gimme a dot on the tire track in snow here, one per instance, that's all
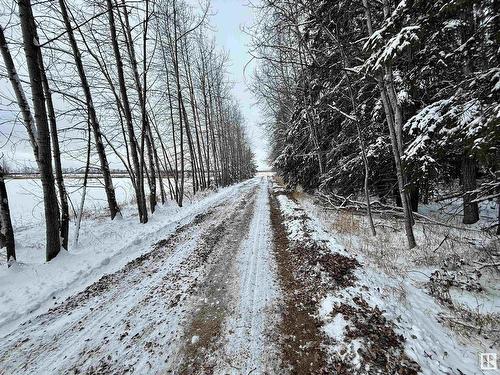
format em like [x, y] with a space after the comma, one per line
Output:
[129, 322]
[124, 249]
[248, 347]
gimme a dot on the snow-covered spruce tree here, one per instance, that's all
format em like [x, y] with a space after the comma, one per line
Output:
[402, 61]
[454, 75]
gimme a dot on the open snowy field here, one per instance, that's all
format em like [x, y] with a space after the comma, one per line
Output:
[26, 202]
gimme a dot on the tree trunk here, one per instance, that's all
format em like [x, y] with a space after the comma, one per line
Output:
[84, 193]
[471, 209]
[414, 196]
[44, 157]
[142, 101]
[141, 202]
[179, 106]
[152, 174]
[108, 181]
[393, 118]
[497, 175]
[175, 171]
[56, 153]
[360, 140]
[6, 231]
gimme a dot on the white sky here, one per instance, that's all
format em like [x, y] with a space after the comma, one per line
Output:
[230, 16]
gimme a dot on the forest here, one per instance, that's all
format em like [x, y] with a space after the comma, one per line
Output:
[393, 100]
[141, 83]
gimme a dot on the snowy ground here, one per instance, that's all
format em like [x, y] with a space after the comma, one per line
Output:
[443, 338]
[26, 202]
[165, 293]
[105, 246]
[427, 342]
[249, 279]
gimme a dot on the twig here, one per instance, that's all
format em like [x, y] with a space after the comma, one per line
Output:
[444, 239]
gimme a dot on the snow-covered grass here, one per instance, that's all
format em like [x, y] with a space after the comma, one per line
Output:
[437, 246]
[393, 279]
[450, 211]
[105, 246]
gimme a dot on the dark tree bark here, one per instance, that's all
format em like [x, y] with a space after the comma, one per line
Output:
[206, 112]
[142, 101]
[180, 105]
[108, 182]
[6, 231]
[414, 190]
[141, 202]
[471, 209]
[56, 153]
[497, 175]
[175, 167]
[43, 156]
[393, 115]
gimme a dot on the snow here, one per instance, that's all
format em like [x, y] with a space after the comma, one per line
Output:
[145, 306]
[483, 304]
[128, 309]
[104, 247]
[327, 305]
[436, 348]
[26, 203]
[449, 211]
[336, 327]
[392, 48]
[294, 227]
[248, 346]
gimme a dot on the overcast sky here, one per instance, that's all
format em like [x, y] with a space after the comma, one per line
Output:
[230, 16]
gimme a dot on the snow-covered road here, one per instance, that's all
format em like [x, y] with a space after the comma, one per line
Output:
[199, 299]
[247, 347]
[244, 281]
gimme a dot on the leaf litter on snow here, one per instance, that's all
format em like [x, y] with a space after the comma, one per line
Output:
[357, 337]
[403, 301]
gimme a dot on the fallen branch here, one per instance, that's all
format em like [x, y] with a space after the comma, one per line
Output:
[485, 265]
[442, 242]
[338, 202]
[449, 196]
[468, 325]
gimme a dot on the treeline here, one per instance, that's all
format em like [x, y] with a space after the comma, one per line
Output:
[387, 98]
[136, 82]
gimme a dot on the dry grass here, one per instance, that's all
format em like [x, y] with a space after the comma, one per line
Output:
[471, 323]
[297, 195]
[437, 246]
[346, 223]
[279, 180]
